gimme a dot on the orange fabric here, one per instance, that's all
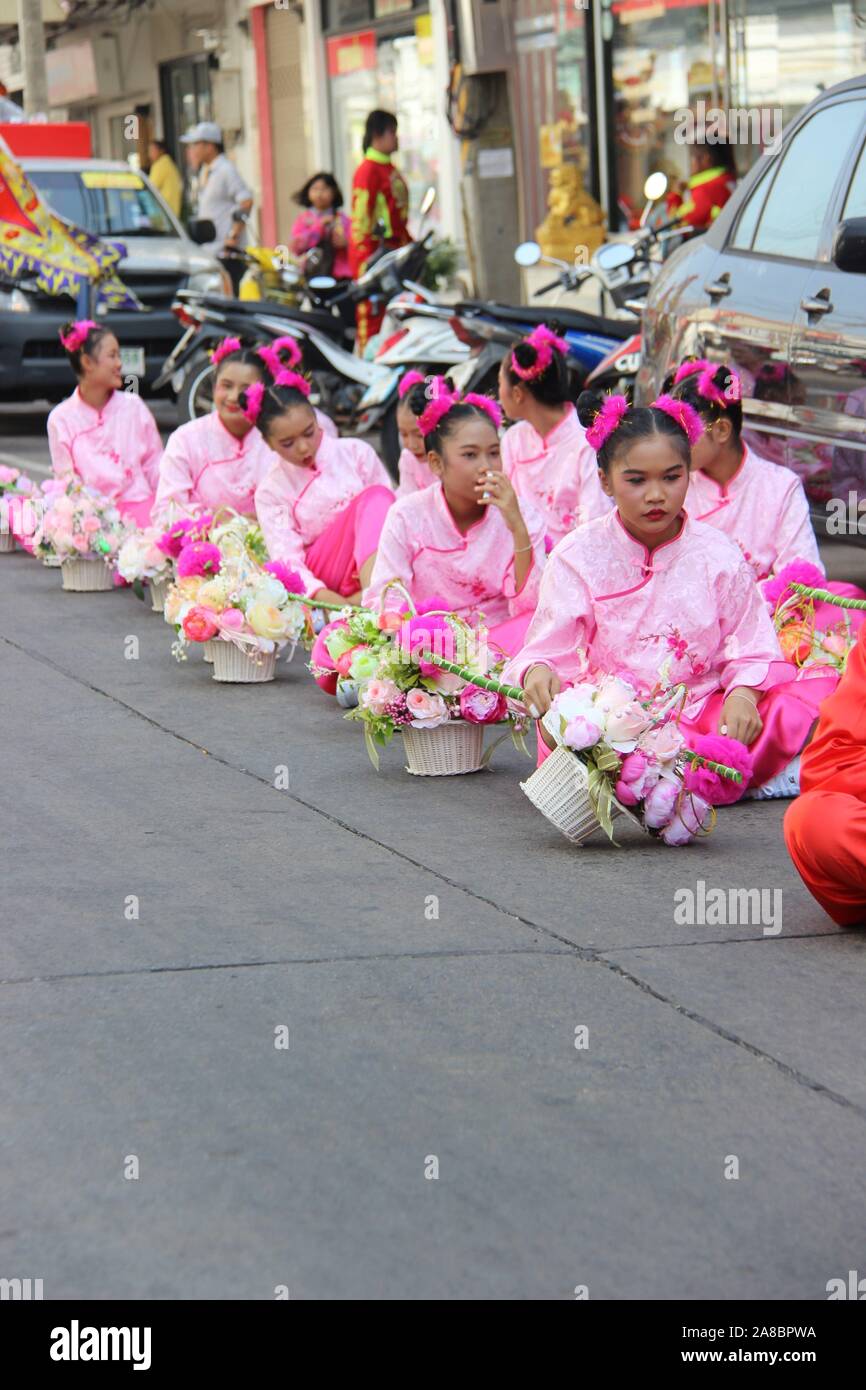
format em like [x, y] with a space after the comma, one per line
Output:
[825, 828]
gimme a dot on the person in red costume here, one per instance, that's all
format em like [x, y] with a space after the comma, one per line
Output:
[825, 828]
[713, 180]
[379, 194]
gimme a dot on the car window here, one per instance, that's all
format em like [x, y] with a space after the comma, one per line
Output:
[794, 211]
[63, 193]
[855, 203]
[748, 220]
[123, 205]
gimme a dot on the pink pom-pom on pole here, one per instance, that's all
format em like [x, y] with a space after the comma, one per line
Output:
[684, 414]
[253, 397]
[545, 342]
[294, 379]
[607, 419]
[77, 335]
[486, 404]
[224, 349]
[408, 381]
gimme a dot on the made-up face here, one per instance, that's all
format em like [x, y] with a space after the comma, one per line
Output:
[295, 435]
[648, 482]
[470, 451]
[102, 368]
[232, 378]
[410, 434]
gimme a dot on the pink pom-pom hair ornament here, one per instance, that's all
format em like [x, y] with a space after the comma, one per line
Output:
[294, 379]
[77, 335]
[225, 349]
[408, 381]
[707, 388]
[484, 403]
[251, 401]
[607, 419]
[685, 415]
[280, 354]
[545, 342]
[441, 398]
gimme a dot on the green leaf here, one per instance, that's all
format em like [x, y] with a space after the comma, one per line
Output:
[602, 799]
[372, 750]
[138, 589]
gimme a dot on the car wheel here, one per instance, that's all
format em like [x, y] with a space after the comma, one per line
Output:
[195, 397]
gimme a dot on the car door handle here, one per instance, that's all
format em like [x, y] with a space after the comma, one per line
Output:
[819, 305]
[716, 288]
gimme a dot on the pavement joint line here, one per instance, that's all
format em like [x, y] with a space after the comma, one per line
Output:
[730, 941]
[444, 954]
[592, 956]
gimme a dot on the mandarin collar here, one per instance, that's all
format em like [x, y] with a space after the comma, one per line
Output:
[560, 432]
[640, 554]
[445, 512]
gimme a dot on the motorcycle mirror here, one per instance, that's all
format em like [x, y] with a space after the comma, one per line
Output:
[656, 186]
[322, 282]
[614, 255]
[528, 253]
[201, 230]
[428, 200]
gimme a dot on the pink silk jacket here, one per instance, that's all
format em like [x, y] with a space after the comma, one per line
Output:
[557, 474]
[115, 451]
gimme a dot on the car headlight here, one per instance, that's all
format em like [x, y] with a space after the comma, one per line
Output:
[16, 301]
[209, 282]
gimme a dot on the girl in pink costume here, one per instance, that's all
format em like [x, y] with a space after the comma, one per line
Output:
[102, 435]
[466, 540]
[545, 454]
[322, 502]
[413, 469]
[659, 599]
[761, 505]
[219, 459]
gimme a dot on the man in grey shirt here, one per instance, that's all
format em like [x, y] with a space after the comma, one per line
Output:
[222, 194]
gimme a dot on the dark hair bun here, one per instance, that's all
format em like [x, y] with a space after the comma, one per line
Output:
[417, 399]
[525, 355]
[668, 382]
[589, 403]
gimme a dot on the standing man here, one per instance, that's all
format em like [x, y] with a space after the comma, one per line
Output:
[222, 195]
[165, 175]
[379, 195]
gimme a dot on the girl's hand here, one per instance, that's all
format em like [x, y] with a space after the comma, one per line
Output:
[540, 684]
[740, 718]
[338, 235]
[495, 490]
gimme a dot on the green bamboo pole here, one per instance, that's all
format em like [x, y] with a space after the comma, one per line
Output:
[514, 692]
[825, 596]
[326, 603]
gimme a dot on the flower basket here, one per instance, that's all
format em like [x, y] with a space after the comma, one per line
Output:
[559, 789]
[158, 591]
[230, 664]
[86, 576]
[208, 649]
[449, 750]
[7, 542]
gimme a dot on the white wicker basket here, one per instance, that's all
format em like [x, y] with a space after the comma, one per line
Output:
[208, 650]
[86, 576]
[158, 590]
[559, 789]
[230, 664]
[453, 748]
[7, 542]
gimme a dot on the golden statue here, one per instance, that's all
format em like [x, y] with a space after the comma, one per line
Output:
[575, 225]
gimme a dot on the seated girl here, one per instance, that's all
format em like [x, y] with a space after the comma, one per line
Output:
[219, 459]
[545, 454]
[413, 469]
[322, 502]
[102, 435]
[466, 541]
[659, 599]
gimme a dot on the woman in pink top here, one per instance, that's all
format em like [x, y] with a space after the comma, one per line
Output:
[466, 540]
[761, 505]
[545, 454]
[321, 223]
[322, 502]
[219, 459]
[648, 594]
[101, 434]
[413, 470]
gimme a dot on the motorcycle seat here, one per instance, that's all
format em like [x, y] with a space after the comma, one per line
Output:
[554, 315]
[325, 323]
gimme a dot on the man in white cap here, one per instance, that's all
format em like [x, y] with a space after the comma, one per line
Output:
[222, 194]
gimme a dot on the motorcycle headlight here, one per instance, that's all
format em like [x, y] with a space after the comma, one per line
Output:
[210, 282]
[16, 301]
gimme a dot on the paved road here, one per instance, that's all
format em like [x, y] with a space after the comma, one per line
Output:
[411, 1036]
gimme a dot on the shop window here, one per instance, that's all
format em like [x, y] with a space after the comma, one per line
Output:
[793, 216]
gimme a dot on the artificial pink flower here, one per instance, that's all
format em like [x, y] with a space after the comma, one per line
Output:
[638, 774]
[232, 618]
[81, 543]
[430, 633]
[290, 579]
[480, 706]
[8, 475]
[581, 732]
[659, 804]
[389, 622]
[663, 742]
[624, 727]
[777, 589]
[691, 817]
[200, 624]
[90, 524]
[199, 557]
[376, 694]
[345, 659]
[427, 711]
[835, 643]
